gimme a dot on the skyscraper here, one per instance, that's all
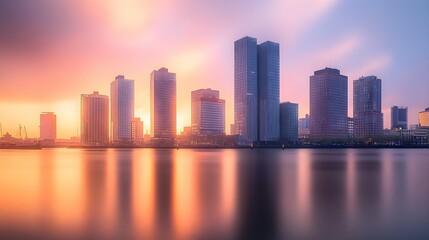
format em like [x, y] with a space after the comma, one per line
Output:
[48, 126]
[399, 117]
[268, 91]
[288, 122]
[208, 112]
[256, 90]
[122, 108]
[163, 104]
[424, 118]
[94, 119]
[246, 88]
[367, 116]
[328, 104]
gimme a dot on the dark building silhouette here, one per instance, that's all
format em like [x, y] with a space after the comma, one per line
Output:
[256, 90]
[367, 115]
[328, 104]
[288, 122]
[399, 117]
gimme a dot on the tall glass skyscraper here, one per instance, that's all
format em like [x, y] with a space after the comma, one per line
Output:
[122, 108]
[246, 88]
[163, 104]
[94, 119]
[268, 91]
[288, 122]
[399, 117]
[328, 104]
[367, 116]
[256, 90]
[208, 113]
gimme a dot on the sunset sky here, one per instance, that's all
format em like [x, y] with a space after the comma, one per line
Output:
[51, 51]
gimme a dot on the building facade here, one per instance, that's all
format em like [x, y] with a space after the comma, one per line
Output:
[207, 113]
[163, 104]
[136, 129]
[288, 122]
[246, 88]
[328, 104]
[94, 119]
[350, 127]
[367, 115]
[256, 90]
[268, 91]
[424, 118]
[122, 108]
[304, 127]
[48, 126]
[399, 117]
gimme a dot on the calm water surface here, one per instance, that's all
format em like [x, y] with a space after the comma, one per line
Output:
[214, 194]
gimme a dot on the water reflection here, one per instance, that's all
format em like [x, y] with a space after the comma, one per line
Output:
[215, 194]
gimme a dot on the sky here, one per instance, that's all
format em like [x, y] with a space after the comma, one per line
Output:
[53, 51]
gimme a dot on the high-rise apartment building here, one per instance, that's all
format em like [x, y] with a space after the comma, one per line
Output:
[288, 122]
[208, 112]
[328, 104]
[163, 104]
[48, 126]
[367, 115]
[256, 90]
[94, 119]
[122, 108]
[399, 117]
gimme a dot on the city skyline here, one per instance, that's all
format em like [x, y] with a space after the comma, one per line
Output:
[115, 40]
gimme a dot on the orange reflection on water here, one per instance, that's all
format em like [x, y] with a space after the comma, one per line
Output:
[185, 206]
[303, 187]
[144, 203]
[19, 188]
[229, 188]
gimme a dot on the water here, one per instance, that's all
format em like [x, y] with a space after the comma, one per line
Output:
[214, 194]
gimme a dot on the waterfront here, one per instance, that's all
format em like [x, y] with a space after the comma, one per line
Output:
[214, 194]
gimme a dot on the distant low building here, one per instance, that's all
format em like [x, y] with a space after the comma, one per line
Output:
[399, 117]
[288, 122]
[304, 127]
[48, 126]
[424, 118]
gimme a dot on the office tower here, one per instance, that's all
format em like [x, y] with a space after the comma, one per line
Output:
[94, 119]
[399, 117]
[288, 122]
[163, 104]
[350, 127]
[367, 116]
[328, 104]
[256, 90]
[268, 91]
[208, 112]
[424, 118]
[246, 88]
[48, 126]
[122, 108]
[136, 129]
[304, 126]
